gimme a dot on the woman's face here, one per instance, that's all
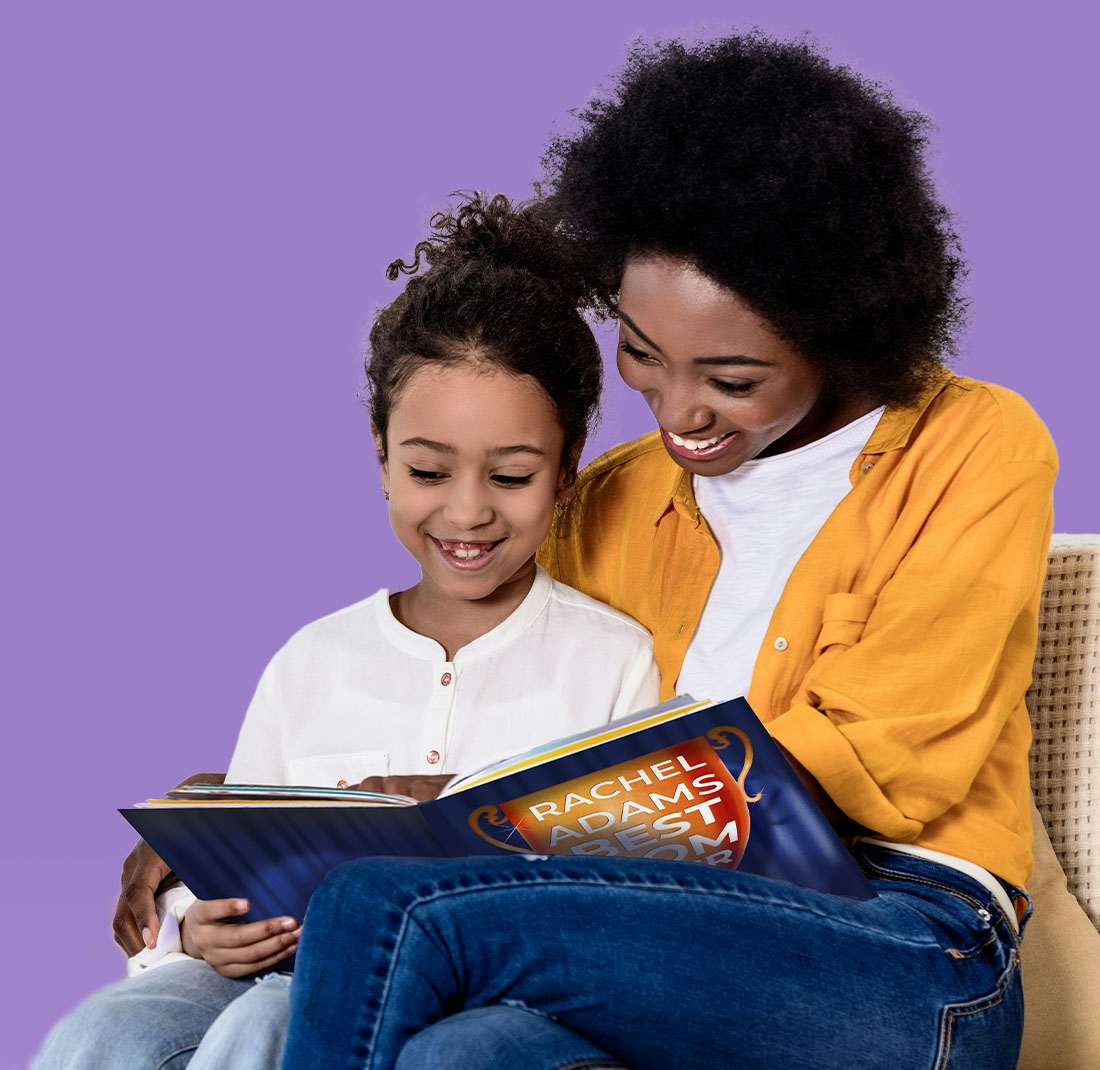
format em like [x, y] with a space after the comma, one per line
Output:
[723, 386]
[473, 470]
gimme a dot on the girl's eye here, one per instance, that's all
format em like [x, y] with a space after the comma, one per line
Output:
[426, 476]
[640, 355]
[734, 388]
[513, 481]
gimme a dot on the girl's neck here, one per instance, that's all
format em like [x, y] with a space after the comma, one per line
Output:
[455, 622]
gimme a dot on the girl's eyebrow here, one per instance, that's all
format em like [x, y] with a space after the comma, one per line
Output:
[497, 451]
[739, 359]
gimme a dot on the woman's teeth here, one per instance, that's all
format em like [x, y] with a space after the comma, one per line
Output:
[695, 443]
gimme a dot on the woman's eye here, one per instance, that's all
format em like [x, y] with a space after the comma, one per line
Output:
[426, 476]
[734, 388]
[640, 355]
[513, 481]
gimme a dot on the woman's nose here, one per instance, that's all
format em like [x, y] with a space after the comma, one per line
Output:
[680, 410]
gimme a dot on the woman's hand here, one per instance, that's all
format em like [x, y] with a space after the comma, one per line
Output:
[136, 924]
[420, 788]
[236, 950]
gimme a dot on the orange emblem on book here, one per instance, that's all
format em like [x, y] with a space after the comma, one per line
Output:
[680, 803]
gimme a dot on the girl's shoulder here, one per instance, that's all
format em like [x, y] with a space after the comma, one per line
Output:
[335, 635]
[583, 618]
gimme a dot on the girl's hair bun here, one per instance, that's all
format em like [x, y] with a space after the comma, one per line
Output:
[493, 232]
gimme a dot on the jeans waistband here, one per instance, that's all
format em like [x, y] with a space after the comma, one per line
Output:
[871, 854]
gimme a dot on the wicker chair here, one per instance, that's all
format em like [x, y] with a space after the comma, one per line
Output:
[1061, 952]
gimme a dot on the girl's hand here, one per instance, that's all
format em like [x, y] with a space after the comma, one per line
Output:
[236, 950]
[420, 788]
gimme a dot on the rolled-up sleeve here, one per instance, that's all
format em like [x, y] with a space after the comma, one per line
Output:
[895, 719]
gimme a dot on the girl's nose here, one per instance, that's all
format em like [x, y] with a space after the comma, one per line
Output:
[468, 505]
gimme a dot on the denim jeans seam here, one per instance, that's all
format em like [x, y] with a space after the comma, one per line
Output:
[958, 893]
[596, 881]
[954, 1011]
[386, 984]
[178, 1051]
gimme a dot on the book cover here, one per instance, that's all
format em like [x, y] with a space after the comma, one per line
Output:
[692, 782]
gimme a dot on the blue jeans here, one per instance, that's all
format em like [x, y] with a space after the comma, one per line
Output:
[172, 1016]
[651, 965]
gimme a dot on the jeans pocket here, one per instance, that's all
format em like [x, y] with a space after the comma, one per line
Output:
[984, 1033]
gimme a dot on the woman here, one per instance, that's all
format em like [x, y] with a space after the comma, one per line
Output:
[827, 519]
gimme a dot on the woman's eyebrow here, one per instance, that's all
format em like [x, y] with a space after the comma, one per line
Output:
[740, 358]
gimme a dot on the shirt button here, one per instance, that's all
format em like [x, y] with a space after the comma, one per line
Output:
[780, 643]
[445, 679]
[866, 467]
[432, 757]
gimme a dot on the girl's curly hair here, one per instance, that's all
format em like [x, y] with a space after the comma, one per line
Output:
[498, 287]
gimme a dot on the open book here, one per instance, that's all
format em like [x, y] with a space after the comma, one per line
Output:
[687, 781]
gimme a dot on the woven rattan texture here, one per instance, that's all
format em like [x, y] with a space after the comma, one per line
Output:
[1064, 701]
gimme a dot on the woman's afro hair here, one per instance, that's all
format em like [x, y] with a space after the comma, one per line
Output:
[798, 184]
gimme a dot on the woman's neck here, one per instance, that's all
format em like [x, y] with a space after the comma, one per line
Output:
[455, 622]
[828, 415]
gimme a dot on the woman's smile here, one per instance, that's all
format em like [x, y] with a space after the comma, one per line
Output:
[698, 449]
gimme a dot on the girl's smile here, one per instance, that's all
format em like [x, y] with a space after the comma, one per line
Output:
[473, 469]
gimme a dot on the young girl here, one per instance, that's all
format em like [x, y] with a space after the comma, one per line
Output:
[484, 380]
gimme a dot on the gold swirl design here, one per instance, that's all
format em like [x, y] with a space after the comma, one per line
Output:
[494, 816]
[719, 739]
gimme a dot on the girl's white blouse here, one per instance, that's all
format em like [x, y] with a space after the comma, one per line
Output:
[357, 694]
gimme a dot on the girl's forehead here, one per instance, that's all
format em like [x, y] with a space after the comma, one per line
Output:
[474, 407]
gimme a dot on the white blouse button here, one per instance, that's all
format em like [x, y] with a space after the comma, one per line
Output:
[445, 679]
[780, 643]
[432, 757]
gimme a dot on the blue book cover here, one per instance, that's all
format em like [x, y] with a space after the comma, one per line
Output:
[690, 782]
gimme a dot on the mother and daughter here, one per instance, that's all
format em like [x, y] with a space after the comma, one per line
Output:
[825, 519]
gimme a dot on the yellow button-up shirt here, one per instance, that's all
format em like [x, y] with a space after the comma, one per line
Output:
[896, 661]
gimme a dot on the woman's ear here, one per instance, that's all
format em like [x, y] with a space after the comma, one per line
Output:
[383, 464]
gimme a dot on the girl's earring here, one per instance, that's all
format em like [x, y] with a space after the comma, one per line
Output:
[386, 495]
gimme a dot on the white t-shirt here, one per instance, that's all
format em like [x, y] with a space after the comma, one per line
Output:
[764, 515]
[357, 694]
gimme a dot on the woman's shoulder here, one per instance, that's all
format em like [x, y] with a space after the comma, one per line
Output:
[973, 410]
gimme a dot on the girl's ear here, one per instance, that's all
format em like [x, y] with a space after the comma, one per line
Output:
[568, 474]
[383, 464]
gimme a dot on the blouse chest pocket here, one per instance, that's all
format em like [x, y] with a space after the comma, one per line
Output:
[327, 770]
[843, 620]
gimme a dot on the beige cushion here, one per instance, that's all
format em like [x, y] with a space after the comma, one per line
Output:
[1060, 958]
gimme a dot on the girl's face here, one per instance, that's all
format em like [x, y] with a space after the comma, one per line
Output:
[473, 470]
[723, 386]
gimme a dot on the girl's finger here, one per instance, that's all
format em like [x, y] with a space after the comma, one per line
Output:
[208, 910]
[264, 949]
[236, 936]
[244, 969]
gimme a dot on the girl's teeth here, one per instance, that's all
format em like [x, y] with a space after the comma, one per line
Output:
[466, 554]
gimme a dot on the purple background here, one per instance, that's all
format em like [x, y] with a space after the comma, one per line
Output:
[200, 200]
